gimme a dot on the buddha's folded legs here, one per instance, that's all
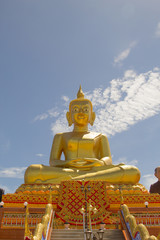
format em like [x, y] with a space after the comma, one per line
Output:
[124, 174]
[38, 173]
[120, 174]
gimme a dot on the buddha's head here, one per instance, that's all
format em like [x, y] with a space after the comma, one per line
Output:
[80, 111]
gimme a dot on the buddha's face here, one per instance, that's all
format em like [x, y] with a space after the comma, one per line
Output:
[81, 112]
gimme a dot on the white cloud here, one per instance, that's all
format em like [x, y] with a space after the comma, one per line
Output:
[12, 172]
[40, 117]
[60, 125]
[124, 160]
[65, 98]
[51, 113]
[157, 33]
[40, 155]
[125, 102]
[124, 54]
[147, 180]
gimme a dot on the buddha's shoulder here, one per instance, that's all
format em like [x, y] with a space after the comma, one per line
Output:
[100, 136]
[93, 135]
[73, 134]
[63, 135]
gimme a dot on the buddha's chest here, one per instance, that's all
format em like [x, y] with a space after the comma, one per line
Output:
[82, 146]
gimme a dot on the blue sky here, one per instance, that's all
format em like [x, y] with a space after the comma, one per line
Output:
[48, 48]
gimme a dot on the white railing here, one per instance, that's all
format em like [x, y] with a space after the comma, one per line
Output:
[149, 221]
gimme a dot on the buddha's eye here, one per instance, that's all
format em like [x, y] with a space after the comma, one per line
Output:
[75, 109]
[86, 110]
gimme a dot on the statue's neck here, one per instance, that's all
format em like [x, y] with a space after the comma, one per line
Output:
[80, 128]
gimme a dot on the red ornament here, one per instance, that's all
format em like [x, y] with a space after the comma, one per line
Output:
[27, 238]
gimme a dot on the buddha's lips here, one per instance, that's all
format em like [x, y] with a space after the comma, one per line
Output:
[80, 116]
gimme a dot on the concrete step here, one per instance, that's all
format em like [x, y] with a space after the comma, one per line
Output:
[60, 234]
[67, 234]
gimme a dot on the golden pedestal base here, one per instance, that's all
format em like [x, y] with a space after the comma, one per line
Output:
[68, 199]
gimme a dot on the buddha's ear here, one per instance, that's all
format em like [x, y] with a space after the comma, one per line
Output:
[93, 116]
[68, 116]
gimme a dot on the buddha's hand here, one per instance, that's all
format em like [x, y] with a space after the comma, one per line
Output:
[107, 161]
[58, 163]
[82, 163]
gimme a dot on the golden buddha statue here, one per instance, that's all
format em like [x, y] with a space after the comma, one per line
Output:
[87, 154]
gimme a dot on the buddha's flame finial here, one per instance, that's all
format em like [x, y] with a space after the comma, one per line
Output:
[80, 93]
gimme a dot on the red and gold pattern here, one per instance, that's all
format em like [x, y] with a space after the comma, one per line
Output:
[72, 199]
